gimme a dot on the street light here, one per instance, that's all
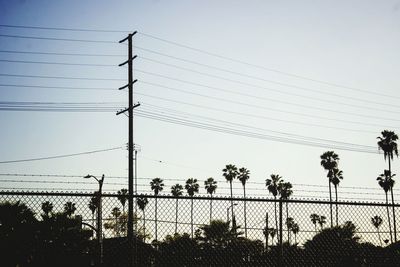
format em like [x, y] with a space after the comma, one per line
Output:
[227, 211]
[99, 215]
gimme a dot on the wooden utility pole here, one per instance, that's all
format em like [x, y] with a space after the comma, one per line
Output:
[130, 141]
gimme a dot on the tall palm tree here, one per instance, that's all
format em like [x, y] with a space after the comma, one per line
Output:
[191, 187]
[387, 143]
[272, 186]
[322, 221]
[230, 173]
[295, 230]
[210, 185]
[47, 208]
[176, 191]
[123, 197]
[273, 232]
[157, 185]
[285, 190]
[385, 181]
[243, 176]
[93, 206]
[329, 161]
[69, 209]
[337, 175]
[314, 219]
[142, 202]
[116, 212]
[376, 222]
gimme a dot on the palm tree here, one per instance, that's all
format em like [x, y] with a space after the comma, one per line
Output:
[295, 230]
[47, 208]
[142, 202]
[273, 233]
[123, 197]
[322, 221]
[93, 206]
[337, 175]
[289, 225]
[329, 160]
[210, 185]
[69, 209]
[385, 181]
[314, 219]
[176, 191]
[285, 190]
[230, 173]
[272, 186]
[389, 146]
[157, 186]
[376, 222]
[116, 213]
[243, 176]
[191, 187]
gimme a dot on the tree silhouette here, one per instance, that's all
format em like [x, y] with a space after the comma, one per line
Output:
[93, 206]
[272, 186]
[47, 208]
[387, 143]
[329, 161]
[289, 225]
[337, 175]
[157, 185]
[385, 181]
[295, 229]
[377, 222]
[285, 190]
[142, 202]
[243, 176]
[123, 197]
[116, 212]
[191, 187]
[314, 219]
[230, 173]
[322, 221]
[69, 209]
[210, 185]
[176, 191]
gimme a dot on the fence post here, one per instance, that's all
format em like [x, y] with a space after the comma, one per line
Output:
[280, 253]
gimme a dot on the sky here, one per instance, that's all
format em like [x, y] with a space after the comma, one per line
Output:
[280, 70]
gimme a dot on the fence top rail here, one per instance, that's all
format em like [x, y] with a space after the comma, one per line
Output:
[239, 199]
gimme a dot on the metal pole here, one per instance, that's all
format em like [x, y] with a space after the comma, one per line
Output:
[99, 221]
[280, 256]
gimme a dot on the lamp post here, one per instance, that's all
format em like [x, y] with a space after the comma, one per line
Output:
[99, 216]
[227, 211]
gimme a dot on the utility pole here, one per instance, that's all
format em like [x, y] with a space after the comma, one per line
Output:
[130, 141]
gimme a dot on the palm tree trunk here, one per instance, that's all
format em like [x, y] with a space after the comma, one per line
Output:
[295, 238]
[287, 216]
[330, 200]
[387, 210]
[210, 209]
[144, 226]
[394, 214]
[176, 216]
[191, 216]
[231, 200]
[155, 214]
[379, 235]
[276, 218]
[337, 211]
[245, 219]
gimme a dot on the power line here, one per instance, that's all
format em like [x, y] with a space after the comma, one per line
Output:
[268, 108]
[57, 87]
[263, 67]
[57, 39]
[59, 53]
[61, 156]
[61, 29]
[59, 77]
[264, 117]
[57, 63]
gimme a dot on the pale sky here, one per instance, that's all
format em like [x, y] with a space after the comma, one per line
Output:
[353, 44]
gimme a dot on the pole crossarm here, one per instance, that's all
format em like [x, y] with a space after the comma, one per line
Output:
[127, 109]
[129, 35]
[127, 61]
[127, 85]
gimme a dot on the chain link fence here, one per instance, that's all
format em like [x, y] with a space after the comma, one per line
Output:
[60, 229]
